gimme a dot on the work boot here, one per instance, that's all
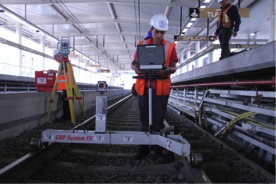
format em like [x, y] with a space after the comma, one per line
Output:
[143, 151]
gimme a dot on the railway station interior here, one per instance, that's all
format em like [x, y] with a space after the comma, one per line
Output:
[231, 99]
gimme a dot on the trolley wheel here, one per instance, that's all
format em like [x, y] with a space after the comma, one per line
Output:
[35, 143]
[196, 159]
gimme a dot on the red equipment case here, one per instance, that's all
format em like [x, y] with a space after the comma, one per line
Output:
[45, 80]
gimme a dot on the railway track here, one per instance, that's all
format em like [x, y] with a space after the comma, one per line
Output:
[115, 163]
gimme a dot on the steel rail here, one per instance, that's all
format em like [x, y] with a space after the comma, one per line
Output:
[36, 158]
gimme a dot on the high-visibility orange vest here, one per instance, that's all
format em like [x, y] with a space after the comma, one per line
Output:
[226, 21]
[162, 85]
[62, 79]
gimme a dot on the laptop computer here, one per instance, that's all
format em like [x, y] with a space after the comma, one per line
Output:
[151, 57]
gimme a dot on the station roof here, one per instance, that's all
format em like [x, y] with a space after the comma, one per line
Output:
[107, 31]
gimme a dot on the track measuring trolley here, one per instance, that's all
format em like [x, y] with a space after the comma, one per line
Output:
[167, 138]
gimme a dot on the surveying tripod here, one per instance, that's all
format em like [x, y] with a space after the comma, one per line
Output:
[70, 82]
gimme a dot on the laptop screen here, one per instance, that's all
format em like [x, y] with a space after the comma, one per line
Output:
[151, 57]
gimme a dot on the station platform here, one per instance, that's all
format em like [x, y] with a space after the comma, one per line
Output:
[22, 111]
[257, 59]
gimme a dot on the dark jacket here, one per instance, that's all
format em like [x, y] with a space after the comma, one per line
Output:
[234, 15]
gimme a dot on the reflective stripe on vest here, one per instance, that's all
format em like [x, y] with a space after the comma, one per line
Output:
[69, 77]
[61, 82]
[162, 85]
[226, 21]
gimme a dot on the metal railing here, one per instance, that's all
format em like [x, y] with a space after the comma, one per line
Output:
[234, 111]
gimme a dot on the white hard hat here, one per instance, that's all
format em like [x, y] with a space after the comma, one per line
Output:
[219, 1]
[160, 22]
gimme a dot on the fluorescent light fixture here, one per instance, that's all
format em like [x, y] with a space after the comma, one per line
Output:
[189, 24]
[185, 30]
[202, 6]
[207, 1]
[193, 19]
[3, 20]
[27, 33]
[21, 20]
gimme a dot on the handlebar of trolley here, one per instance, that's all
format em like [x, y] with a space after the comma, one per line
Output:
[149, 77]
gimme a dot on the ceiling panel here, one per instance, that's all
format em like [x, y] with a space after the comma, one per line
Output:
[109, 29]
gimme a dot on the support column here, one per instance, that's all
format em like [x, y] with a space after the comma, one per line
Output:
[19, 41]
[188, 57]
[272, 18]
[197, 50]
[210, 57]
[78, 73]
[181, 60]
[42, 46]
[210, 54]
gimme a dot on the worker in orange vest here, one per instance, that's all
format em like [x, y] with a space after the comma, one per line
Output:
[160, 87]
[62, 82]
[227, 26]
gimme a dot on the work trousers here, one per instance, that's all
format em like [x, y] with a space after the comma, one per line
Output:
[159, 107]
[224, 38]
